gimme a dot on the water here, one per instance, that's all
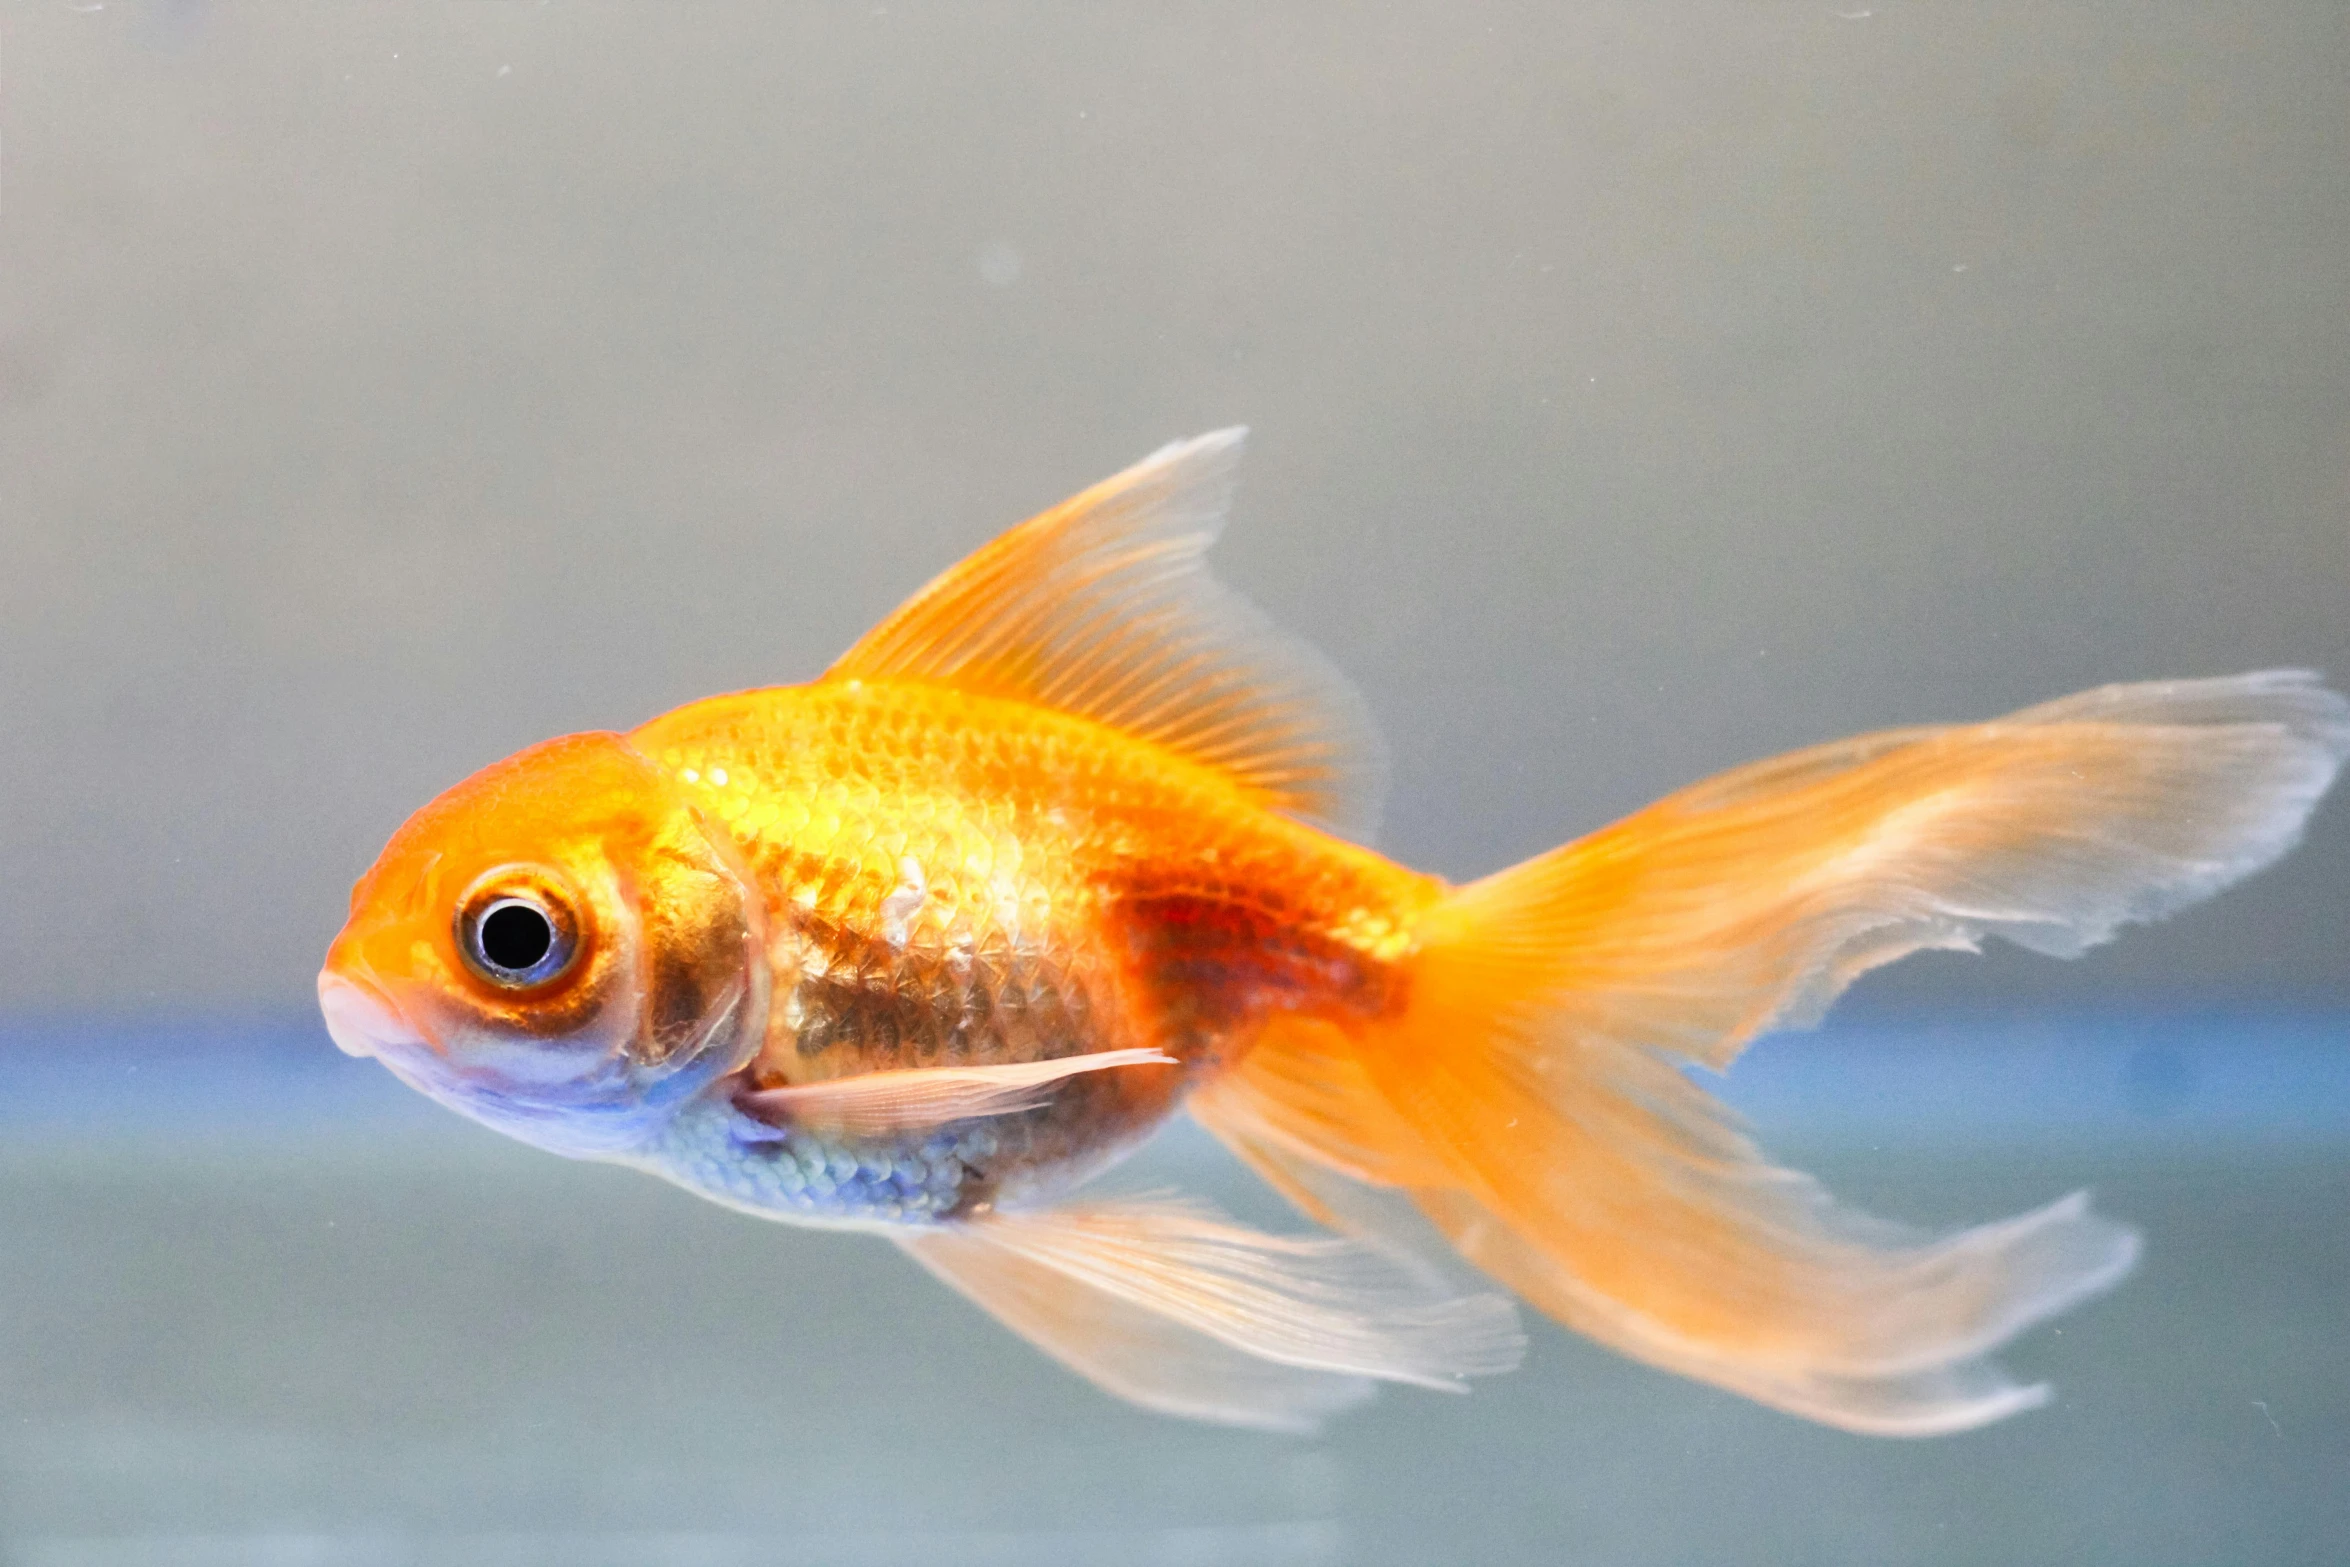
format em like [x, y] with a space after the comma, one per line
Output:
[1636, 390]
[263, 1306]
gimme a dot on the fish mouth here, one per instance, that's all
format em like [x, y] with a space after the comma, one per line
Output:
[362, 1021]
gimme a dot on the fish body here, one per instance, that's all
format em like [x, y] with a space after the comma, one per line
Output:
[957, 880]
[1068, 844]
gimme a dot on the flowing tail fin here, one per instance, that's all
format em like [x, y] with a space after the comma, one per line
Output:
[1531, 1095]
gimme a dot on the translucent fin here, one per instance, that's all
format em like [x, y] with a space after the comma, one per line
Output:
[875, 1104]
[1959, 1297]
[1379, 1212]
[1130, 1351]
[1752, 900]
[1531, 1095]
[2052, 1258]
[1316, 1304]
[1104, 607]
[1302, 1090]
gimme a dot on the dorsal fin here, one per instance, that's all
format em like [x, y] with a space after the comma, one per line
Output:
[1104, 607]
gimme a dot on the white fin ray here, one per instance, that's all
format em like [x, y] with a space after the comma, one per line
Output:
[2015, 1272]
[1130, 1351]
[878, 1104]
[1753, 899]
[1104, 607]
[1314, 1304]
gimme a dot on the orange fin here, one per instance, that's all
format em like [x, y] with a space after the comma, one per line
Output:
[1104, 607]
[876, 1104]
[1380, 1213]
[1750, 901]
[1170, 1305]
[1301, 1109]
[1532, 1094]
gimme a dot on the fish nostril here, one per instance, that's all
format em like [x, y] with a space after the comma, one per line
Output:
[361, 1022]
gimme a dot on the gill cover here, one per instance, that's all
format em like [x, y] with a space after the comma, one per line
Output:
[581, 1034]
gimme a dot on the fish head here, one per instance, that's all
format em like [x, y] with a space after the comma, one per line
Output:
[561, 947]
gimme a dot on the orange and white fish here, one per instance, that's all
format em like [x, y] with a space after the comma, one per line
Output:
[1072, 841]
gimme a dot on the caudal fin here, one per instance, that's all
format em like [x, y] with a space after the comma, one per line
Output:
[1532, 1097]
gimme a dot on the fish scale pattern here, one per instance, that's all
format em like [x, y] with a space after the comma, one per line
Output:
[789, 1173]
[952, 880]
[914, 920]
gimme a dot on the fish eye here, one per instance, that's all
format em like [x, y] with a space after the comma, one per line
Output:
[516, 936]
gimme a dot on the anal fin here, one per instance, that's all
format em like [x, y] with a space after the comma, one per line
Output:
[1128, 1350]
[1169, 1305]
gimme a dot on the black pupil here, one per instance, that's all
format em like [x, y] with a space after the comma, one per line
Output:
[516, 937]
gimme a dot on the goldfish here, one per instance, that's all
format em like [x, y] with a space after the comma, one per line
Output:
[1075, 840]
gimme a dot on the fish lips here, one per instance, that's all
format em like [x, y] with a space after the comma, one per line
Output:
[362, 1021]
[583, 1104]
[366, 1022]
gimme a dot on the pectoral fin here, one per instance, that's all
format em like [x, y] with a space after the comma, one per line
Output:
[876, 1104]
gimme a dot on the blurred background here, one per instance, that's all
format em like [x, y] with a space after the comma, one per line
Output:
[1636, 390]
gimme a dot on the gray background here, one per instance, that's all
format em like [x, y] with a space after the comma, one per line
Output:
[1637, 389]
